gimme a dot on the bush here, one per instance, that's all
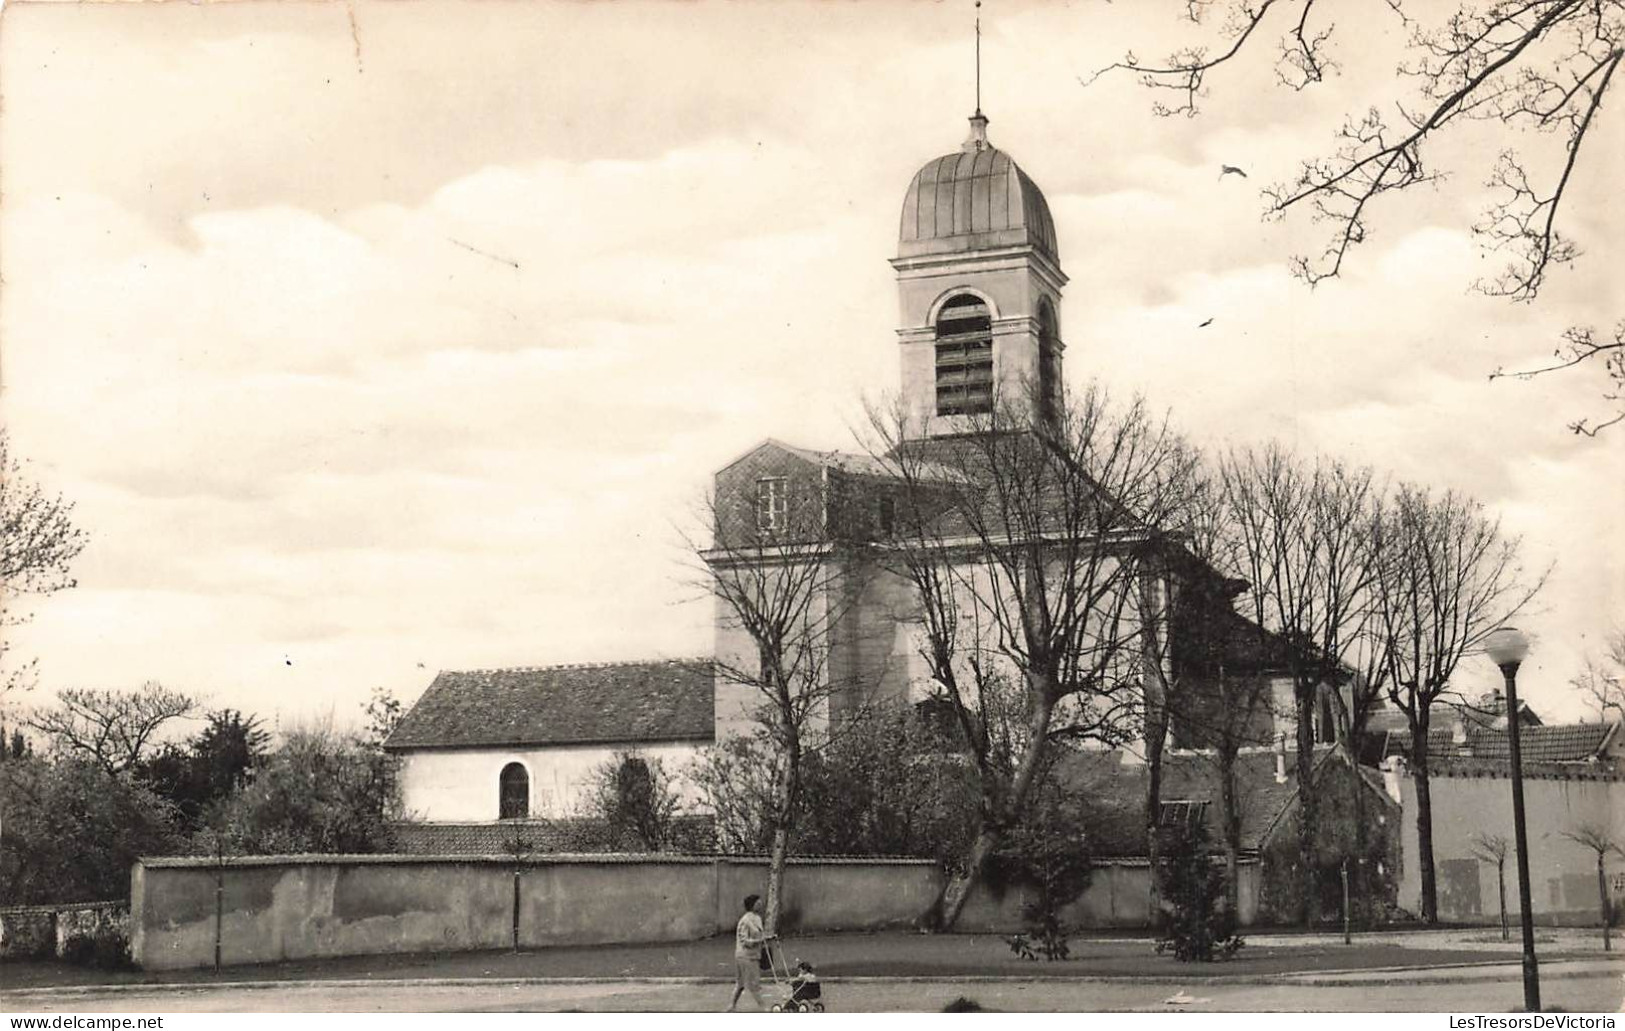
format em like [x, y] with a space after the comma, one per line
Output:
[1048, 940]
[111, 950]
[887, 784]
[883, 784]
[735, 783]
[635, 801]
[322, 791]
[72, 830]
[1046, 854]
[107, 949]
[1201, 927]
[80, 950]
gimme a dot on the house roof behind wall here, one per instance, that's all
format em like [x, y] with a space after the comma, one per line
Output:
[1561, 743]
[628, 703]
[1467, 766]
[1573, 742]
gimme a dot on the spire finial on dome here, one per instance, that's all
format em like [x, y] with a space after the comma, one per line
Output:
[977, 140]
[978, 58]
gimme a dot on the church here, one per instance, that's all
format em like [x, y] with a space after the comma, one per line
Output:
[980, 287]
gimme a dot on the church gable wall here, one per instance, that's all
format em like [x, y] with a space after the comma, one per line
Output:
[1197, 716]
[737, 494]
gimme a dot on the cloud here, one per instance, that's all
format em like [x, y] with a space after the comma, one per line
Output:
[424, 362]
[355, 423]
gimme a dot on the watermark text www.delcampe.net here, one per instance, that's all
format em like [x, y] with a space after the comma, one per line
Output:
[1533, 1022]
[89, 1023]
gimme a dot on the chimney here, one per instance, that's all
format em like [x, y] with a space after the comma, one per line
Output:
[1280, 758]
[1393, 772]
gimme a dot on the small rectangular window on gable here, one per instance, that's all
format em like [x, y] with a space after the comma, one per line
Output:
[888, 516]
[772, 504]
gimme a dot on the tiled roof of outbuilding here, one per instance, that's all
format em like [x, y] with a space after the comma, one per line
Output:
[1572, 742]
[1468, 766]
[1562, 743]
[615, 703]
[1441, 742]
[530, 837]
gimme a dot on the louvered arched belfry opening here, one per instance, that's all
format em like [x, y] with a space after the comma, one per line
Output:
[1049, 362]
[964, 356]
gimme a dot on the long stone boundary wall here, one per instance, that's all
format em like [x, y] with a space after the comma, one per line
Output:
[270, 908]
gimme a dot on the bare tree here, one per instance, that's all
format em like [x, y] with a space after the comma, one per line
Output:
[1448, 577]
[1242, 698]
[1296, 532]
[1217, 709]
[1214, 699]
[38, 543]
[1366, 655]
[110, 728]
[782, 574]
[1536, 66]
[735, 781]
[1025, 545]
[1158, 602]
[1602, 681]
[1601, 841]
[1492, 848]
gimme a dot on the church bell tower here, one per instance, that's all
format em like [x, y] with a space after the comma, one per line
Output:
[979, 287]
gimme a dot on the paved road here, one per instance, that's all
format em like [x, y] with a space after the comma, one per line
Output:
[1601, 990]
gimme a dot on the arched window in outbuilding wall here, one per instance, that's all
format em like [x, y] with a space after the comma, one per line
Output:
[513, 799]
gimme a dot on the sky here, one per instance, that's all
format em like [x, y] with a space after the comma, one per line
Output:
[377, 339]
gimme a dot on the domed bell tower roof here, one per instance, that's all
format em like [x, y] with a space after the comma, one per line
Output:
[974, 199]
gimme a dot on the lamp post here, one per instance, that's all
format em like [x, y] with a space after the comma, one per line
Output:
[1507, 646]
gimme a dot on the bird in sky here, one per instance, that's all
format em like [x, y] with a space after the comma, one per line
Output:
[1204, 325]
[1225, 170]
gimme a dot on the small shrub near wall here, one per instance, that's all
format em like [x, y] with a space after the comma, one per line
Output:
[107, 949]
[1200, 928]
[1047, 854]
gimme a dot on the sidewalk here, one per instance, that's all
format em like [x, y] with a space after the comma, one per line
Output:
[1550, 970]
[1388, 957]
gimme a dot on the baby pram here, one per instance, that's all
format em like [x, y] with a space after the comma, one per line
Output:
[798, 989]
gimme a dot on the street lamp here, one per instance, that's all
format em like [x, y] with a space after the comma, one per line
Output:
[1507, 646]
